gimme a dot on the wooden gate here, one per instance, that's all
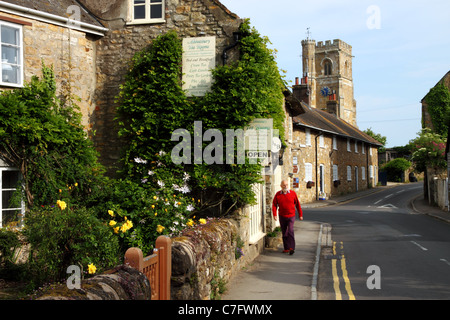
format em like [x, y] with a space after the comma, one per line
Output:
[157, 267]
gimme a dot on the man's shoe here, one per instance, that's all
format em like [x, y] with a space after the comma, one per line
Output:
[286, 251]
[291, 252]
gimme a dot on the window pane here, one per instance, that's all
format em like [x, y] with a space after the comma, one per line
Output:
[10, 74]
[139, 12]
[11, 216]
[156, 11]
[156, 1]
[139, 1]
[8, 200]
[10, 179]
[10, 35]
[10, 54]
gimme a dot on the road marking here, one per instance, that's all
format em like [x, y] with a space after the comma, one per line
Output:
[421, 247]
[387, 206]
[336, 280]
[337, 291]
[445, 261]
[378, 201]
[348, 287]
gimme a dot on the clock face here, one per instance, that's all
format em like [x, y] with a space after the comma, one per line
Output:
[325, 91]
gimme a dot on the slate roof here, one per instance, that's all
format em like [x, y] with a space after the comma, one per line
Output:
[313, 118]
[57, 7]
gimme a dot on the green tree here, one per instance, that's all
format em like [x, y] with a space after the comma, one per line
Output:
[396, 168]
[378, 137]
[428, 151]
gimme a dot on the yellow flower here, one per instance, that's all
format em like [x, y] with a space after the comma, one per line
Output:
[160, 228]
[61, 204]
[111, 213]
[116, 229]
[112, 223]
[91, 268]
[76, 184]
[156, 213]
[126, 226]
[202, 221]
[155, 197]
[153, 206]
[190, 223]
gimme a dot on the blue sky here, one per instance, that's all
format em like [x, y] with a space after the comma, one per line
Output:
[401, 49]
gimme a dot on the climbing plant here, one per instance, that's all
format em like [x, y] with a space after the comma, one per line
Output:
[438, 101]
[152, 105]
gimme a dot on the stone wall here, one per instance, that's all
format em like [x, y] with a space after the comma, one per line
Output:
[72, 54]
[120, 283]
[204, 258]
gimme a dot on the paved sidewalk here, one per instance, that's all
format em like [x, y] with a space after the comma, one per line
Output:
[274, 275]
[277, 276]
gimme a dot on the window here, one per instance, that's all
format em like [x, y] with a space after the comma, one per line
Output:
[363, 173]
[321, 141]
[335, 172]
[307, 137]
[356, 146]
[11, 53]
[371, 172]
[334, 143]
[327, 68]
[147, 11]
[308, 172]
[348, 145]
[363, 147]
[12, 207]
[349, 173]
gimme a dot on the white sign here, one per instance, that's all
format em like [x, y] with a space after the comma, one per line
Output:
[199, 58]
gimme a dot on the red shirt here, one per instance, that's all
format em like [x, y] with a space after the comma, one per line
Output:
[286, 203]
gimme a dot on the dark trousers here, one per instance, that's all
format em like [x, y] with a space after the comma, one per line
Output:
[287, 231]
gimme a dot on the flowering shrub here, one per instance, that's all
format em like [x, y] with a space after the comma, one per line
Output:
[428, 151]
[63, 237]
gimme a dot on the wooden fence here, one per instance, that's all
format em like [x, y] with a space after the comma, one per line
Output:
[157, 267]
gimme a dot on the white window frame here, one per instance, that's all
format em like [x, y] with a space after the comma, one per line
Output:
[321, 141]
[348, 145]
[363, 173]
[363, 147]
[356, 146]
[349, 173]
[148, 4]
[335, 172]
[20, 64]
[335, 143]
[308, 137]
[21, 208]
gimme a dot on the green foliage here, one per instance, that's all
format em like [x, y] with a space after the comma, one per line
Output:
[438, 101]
[153, 105]
[395, 168]
[60, 238]
[428, 151]
[45, 140]
[381, 139]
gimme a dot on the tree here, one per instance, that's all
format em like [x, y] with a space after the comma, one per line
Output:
[378, 137]
[396, 168]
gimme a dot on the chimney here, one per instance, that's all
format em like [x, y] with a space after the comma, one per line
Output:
[332, 105]
[302, 91]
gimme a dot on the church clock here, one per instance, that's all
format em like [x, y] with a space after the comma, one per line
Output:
[325, 91]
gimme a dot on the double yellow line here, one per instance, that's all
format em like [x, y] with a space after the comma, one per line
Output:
[336, 282]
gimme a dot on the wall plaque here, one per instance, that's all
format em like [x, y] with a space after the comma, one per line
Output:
[199, 58]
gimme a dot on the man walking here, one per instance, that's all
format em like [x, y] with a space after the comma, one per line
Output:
[287, 201]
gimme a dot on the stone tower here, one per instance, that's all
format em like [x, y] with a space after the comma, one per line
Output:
[327, 70]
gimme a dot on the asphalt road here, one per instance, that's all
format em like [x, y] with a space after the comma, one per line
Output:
[382, 249]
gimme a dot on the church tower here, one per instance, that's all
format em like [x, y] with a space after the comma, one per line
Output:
[328, 68]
